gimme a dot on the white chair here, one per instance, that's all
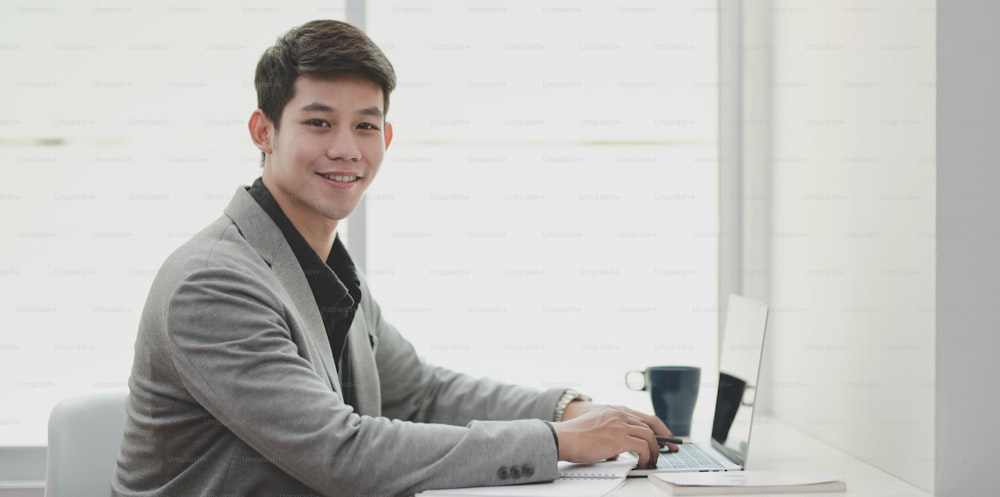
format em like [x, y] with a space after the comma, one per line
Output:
[85, 435]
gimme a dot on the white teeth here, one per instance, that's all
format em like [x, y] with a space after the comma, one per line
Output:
[342, 179]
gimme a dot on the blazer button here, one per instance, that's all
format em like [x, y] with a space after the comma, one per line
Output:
[527, 470]
[503, 473]
[515, 472]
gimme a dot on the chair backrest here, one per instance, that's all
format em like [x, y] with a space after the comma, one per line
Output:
[85, 436]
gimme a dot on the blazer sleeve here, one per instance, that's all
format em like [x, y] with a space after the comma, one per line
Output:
[230, 342]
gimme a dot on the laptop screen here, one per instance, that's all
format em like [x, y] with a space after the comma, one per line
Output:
[739, 371]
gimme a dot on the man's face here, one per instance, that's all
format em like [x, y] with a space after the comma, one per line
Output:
[328, 149]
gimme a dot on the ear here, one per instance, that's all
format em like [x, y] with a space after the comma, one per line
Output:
[261, 131]
[388, 135]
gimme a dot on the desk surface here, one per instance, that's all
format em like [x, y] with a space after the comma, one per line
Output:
[777, 445]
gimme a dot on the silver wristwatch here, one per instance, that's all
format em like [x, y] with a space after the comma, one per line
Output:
[568, 396]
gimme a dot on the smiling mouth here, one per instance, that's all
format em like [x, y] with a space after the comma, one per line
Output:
[341, 178]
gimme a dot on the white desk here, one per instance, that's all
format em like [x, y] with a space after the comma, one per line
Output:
[778, 446]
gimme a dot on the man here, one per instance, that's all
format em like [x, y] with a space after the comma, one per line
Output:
[263, 365]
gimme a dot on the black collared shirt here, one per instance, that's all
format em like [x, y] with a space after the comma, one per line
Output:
[334, 283]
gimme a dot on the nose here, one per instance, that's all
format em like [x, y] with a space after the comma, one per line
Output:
[344, 146]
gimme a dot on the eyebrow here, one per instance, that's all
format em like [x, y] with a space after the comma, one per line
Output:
[372, 111]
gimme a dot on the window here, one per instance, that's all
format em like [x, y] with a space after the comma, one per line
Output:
[123, 133]
[547, 213]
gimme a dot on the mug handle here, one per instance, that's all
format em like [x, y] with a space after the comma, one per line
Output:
[642, 376]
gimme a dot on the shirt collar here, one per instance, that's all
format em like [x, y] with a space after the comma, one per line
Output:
[339, 266]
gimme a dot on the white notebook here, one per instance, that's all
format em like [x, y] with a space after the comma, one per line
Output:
[747, 482]
[575, 480]
[606, 470]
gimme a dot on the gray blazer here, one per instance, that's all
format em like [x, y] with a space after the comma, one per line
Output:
[234, 391]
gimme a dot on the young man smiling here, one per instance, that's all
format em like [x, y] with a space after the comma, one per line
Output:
[263, 365]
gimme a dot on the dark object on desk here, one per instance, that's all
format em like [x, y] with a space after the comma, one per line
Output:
[670, 440]
[674, 391]
[727, 403]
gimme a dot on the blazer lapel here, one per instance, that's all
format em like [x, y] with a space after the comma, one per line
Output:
[266, 238]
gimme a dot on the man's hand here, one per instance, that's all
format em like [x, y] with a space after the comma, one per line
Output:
[593, 432]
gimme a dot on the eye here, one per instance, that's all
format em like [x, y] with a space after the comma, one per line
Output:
[367, 126]
[319, 123]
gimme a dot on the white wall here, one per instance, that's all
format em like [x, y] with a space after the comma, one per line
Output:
[968, 242]
[852, 235]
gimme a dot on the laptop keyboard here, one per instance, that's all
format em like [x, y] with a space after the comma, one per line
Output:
[688, 457]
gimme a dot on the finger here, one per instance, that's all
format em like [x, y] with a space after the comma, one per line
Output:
[654, 448]
[640, 448]
[641, 438]
[669, 447]
[654, 423]
[658, 427]
[641, 434]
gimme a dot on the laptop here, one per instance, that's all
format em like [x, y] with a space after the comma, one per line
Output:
[739, 371]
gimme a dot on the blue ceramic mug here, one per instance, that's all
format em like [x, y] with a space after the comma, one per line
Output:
[674, 392]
